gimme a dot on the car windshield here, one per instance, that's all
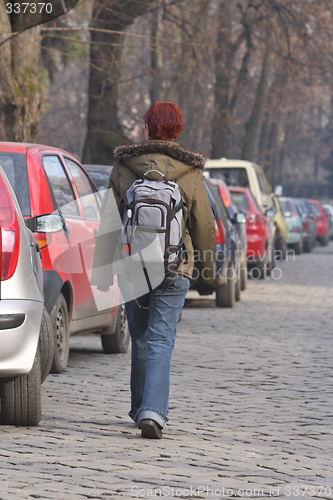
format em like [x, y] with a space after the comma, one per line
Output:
[241, 201]
[286, 206]
[231, 176]
[15, 166]
[315, 209]
[101, 179]
[300, 207]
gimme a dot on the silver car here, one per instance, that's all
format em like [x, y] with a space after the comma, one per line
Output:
[26, 348]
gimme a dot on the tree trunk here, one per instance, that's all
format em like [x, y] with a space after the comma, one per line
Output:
[186, 48]
[223, 63]
[20, 95]
[253, 127]
[104, 130]
[156, 91]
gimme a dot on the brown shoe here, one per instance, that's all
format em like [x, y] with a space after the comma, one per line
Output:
[150, 429]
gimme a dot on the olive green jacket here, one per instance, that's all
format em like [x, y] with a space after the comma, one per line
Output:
[178, 165]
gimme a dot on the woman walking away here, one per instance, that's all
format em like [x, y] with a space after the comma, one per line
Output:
[153, 317]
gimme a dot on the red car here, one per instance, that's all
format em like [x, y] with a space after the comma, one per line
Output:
[51, 181]
[322, 224]
[259, 252]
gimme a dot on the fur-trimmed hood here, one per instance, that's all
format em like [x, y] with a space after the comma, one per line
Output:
[166, 148]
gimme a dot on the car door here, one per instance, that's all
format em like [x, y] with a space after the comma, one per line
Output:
[90, 202]
[66, 250]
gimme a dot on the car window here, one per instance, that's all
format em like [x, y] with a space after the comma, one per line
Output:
[60, 186]
[87, 196]
[216, 200]
[292, 205]
[265, 181]
[15, 167]
[307, 206]
[262, 182]
[299, 207]
[231, 176]
[257, 205]
[241, 201]
[315, 209]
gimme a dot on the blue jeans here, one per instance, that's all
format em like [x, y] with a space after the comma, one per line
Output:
[153, 335]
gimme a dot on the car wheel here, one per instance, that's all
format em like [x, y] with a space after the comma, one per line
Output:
[281, 252]
[243, 276]
[118, 341]
[46, 345]
[60, 323]
[225, 294]
[284, 250]
[298, 247]
[238, 287]
[271, 265]
[307, 246]
[259, 271]
[324, 241]
[21, 397]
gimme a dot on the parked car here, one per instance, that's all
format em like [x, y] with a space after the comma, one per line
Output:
[323, 235]
[27, 342]
[328, 209]
[281, 234]
[260, 250]
[308, 223]
[226, 285]
[294, 222]
[51, 181]
[100, 174]
[240, 228]
[243, 174]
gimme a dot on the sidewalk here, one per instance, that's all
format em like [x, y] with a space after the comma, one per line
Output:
[250, 406]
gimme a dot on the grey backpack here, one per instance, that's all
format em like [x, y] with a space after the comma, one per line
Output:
[152, 234]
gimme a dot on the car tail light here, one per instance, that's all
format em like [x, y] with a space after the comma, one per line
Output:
[225, 196]
[305, 226]
[296, 230]
[220, 238]
[10, 233]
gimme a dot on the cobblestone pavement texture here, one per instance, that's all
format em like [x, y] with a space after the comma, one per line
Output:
[250, 406]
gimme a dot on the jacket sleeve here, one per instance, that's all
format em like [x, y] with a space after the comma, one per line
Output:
[203, 235]
[107, 238]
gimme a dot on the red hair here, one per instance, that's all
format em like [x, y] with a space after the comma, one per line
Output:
[164, 121]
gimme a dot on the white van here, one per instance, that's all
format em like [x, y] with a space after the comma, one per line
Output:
[244, 174]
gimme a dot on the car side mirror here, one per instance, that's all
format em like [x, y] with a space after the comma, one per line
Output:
[269, 213]
[48, 223]
[240, 218]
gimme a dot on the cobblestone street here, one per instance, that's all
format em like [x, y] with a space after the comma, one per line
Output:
[251, 406]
